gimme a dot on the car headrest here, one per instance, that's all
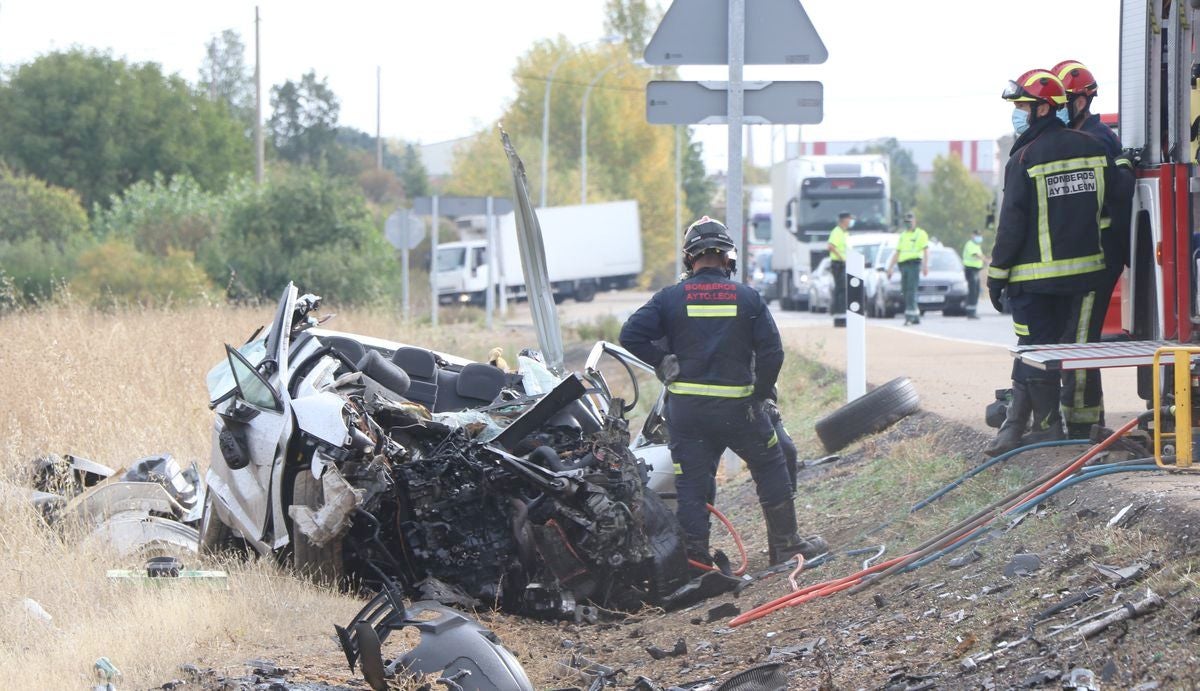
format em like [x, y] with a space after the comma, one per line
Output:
[386, 373]
[418, 362]
[348, 347]
[480, 382]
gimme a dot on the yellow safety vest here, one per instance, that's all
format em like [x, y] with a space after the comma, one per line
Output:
[911, 245]
[837, 238]
[972, 255]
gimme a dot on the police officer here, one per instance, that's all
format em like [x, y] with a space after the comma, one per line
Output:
[838, 250]
[1082, 393]
[719, 352]
[912, 254]
[972, 259]
[1047, 253]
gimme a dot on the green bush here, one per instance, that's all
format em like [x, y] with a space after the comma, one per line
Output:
[116, 273]
[42, 229]
[305, 228]
[159, 216]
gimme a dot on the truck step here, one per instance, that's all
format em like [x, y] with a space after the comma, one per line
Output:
[1072, 356]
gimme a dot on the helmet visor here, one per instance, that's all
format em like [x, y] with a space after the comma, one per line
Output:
[1012, 92]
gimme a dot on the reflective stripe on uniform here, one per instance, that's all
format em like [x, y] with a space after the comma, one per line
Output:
[689, 389]
[997, 272]
[1039, 174]
[678, 469]
[1067, 164]
[1080, 376]
[1055, 269]
[774, 440]
[1078, 416]
[1021, 329]
[712, 310]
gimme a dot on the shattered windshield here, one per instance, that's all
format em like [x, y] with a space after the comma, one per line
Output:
[220, 378]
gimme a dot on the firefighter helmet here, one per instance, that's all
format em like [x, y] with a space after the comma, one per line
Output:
[1036, 86]
[1076, 79]
[705, 235]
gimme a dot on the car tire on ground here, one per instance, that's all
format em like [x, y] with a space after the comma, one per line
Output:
[874, 411]
[215, 536]
[321, 564]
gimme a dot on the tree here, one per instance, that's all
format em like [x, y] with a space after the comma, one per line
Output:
[628, 158]
[902, 170]
[698, 187]
[954, 204]
[633, 20]
[95, 124]
[412, 173]
[225, 77]
[303, 123]
[42, 228]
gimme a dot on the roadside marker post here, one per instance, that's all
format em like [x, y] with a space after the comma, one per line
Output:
[856, 326]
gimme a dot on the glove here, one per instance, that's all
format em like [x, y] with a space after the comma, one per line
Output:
[771, 409]
[667, 370]
[996, 293]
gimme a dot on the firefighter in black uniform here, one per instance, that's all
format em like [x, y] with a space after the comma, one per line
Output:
[1048, 252]
[719, 353]
[1082, 392]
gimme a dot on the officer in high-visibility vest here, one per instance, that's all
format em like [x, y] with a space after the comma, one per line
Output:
[1047, 252]
[1082, 391]
[714, 343]
[972, 259]
[912, 255]
[838, 250]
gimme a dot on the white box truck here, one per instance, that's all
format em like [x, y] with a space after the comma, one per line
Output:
[589, 248]
[808, 193]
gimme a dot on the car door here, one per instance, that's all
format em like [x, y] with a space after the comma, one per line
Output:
[259, 413]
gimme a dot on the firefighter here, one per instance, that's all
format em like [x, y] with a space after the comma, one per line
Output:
[1082, 392]
[1047, 253]
[716, 347]
[912, 254]
[838, 250]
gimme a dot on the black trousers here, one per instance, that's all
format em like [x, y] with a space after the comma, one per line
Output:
[1082, 395]
[972, 276]
[838, 269]
[1040, 319]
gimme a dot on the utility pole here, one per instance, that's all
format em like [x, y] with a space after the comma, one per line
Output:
[678, 203]
[378, 118]
[258, 133]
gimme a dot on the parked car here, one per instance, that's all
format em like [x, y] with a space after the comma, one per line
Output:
[872, 246]
[762, 276]
[943, 289]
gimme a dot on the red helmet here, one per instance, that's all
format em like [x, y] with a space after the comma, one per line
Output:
[1036, 86]
[1076, 79]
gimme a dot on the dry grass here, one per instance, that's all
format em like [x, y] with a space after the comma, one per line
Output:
[114, 387]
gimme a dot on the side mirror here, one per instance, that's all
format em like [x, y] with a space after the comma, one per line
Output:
[791, 206]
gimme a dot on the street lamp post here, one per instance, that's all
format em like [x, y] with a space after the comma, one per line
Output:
[583, 117]
[612, 38]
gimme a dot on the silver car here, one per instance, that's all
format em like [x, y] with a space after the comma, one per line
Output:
[943, 289]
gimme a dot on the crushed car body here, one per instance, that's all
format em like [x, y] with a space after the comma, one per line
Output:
[389, 465]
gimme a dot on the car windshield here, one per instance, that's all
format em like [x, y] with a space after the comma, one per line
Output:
[944, 260]
[868, 252]
[451, 258]
[822, 214]
[220, 378]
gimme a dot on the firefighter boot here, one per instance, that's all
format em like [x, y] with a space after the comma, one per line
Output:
[1047, 418]
[1015, 422]
[783, 542]
[697, 550]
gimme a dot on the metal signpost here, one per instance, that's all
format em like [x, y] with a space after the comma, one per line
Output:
[856, 325]
[734, 33]
[455, 207]
[405, 231]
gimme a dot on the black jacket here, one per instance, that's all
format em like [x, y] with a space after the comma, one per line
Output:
[1117, 219]
[720, 330]
[1055, 184]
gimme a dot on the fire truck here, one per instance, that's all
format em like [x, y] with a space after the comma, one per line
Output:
[1158, 109]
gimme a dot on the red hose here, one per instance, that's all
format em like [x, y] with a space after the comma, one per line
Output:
[737, 540]
[795, 572]
[830, 587]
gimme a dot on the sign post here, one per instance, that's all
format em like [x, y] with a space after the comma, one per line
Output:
[433, 262]
[733, 33]
[856, 326]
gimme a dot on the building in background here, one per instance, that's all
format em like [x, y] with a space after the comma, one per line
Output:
[979, 156]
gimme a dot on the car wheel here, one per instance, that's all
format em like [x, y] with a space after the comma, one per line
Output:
[215, 537]
[872, 412]
[322, 564]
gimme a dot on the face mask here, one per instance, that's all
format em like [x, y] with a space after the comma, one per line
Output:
[977, 238]
[1020, 121]
[1062, 115]
[851, 223]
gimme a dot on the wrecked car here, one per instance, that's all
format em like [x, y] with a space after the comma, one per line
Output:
[385, 464]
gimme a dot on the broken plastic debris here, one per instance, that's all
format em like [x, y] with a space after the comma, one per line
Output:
[658, 653]
[1022, 565]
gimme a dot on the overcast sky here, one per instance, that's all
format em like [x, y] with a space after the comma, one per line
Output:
[913, 69]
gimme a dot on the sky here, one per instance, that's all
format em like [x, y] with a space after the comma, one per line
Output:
[911, 69]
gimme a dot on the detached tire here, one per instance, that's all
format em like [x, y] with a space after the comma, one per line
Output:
[874, 411]
[321, 564]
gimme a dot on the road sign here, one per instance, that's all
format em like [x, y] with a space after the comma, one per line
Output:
[706, 103]
[695, 32]
[404, 229]
[454, 207]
